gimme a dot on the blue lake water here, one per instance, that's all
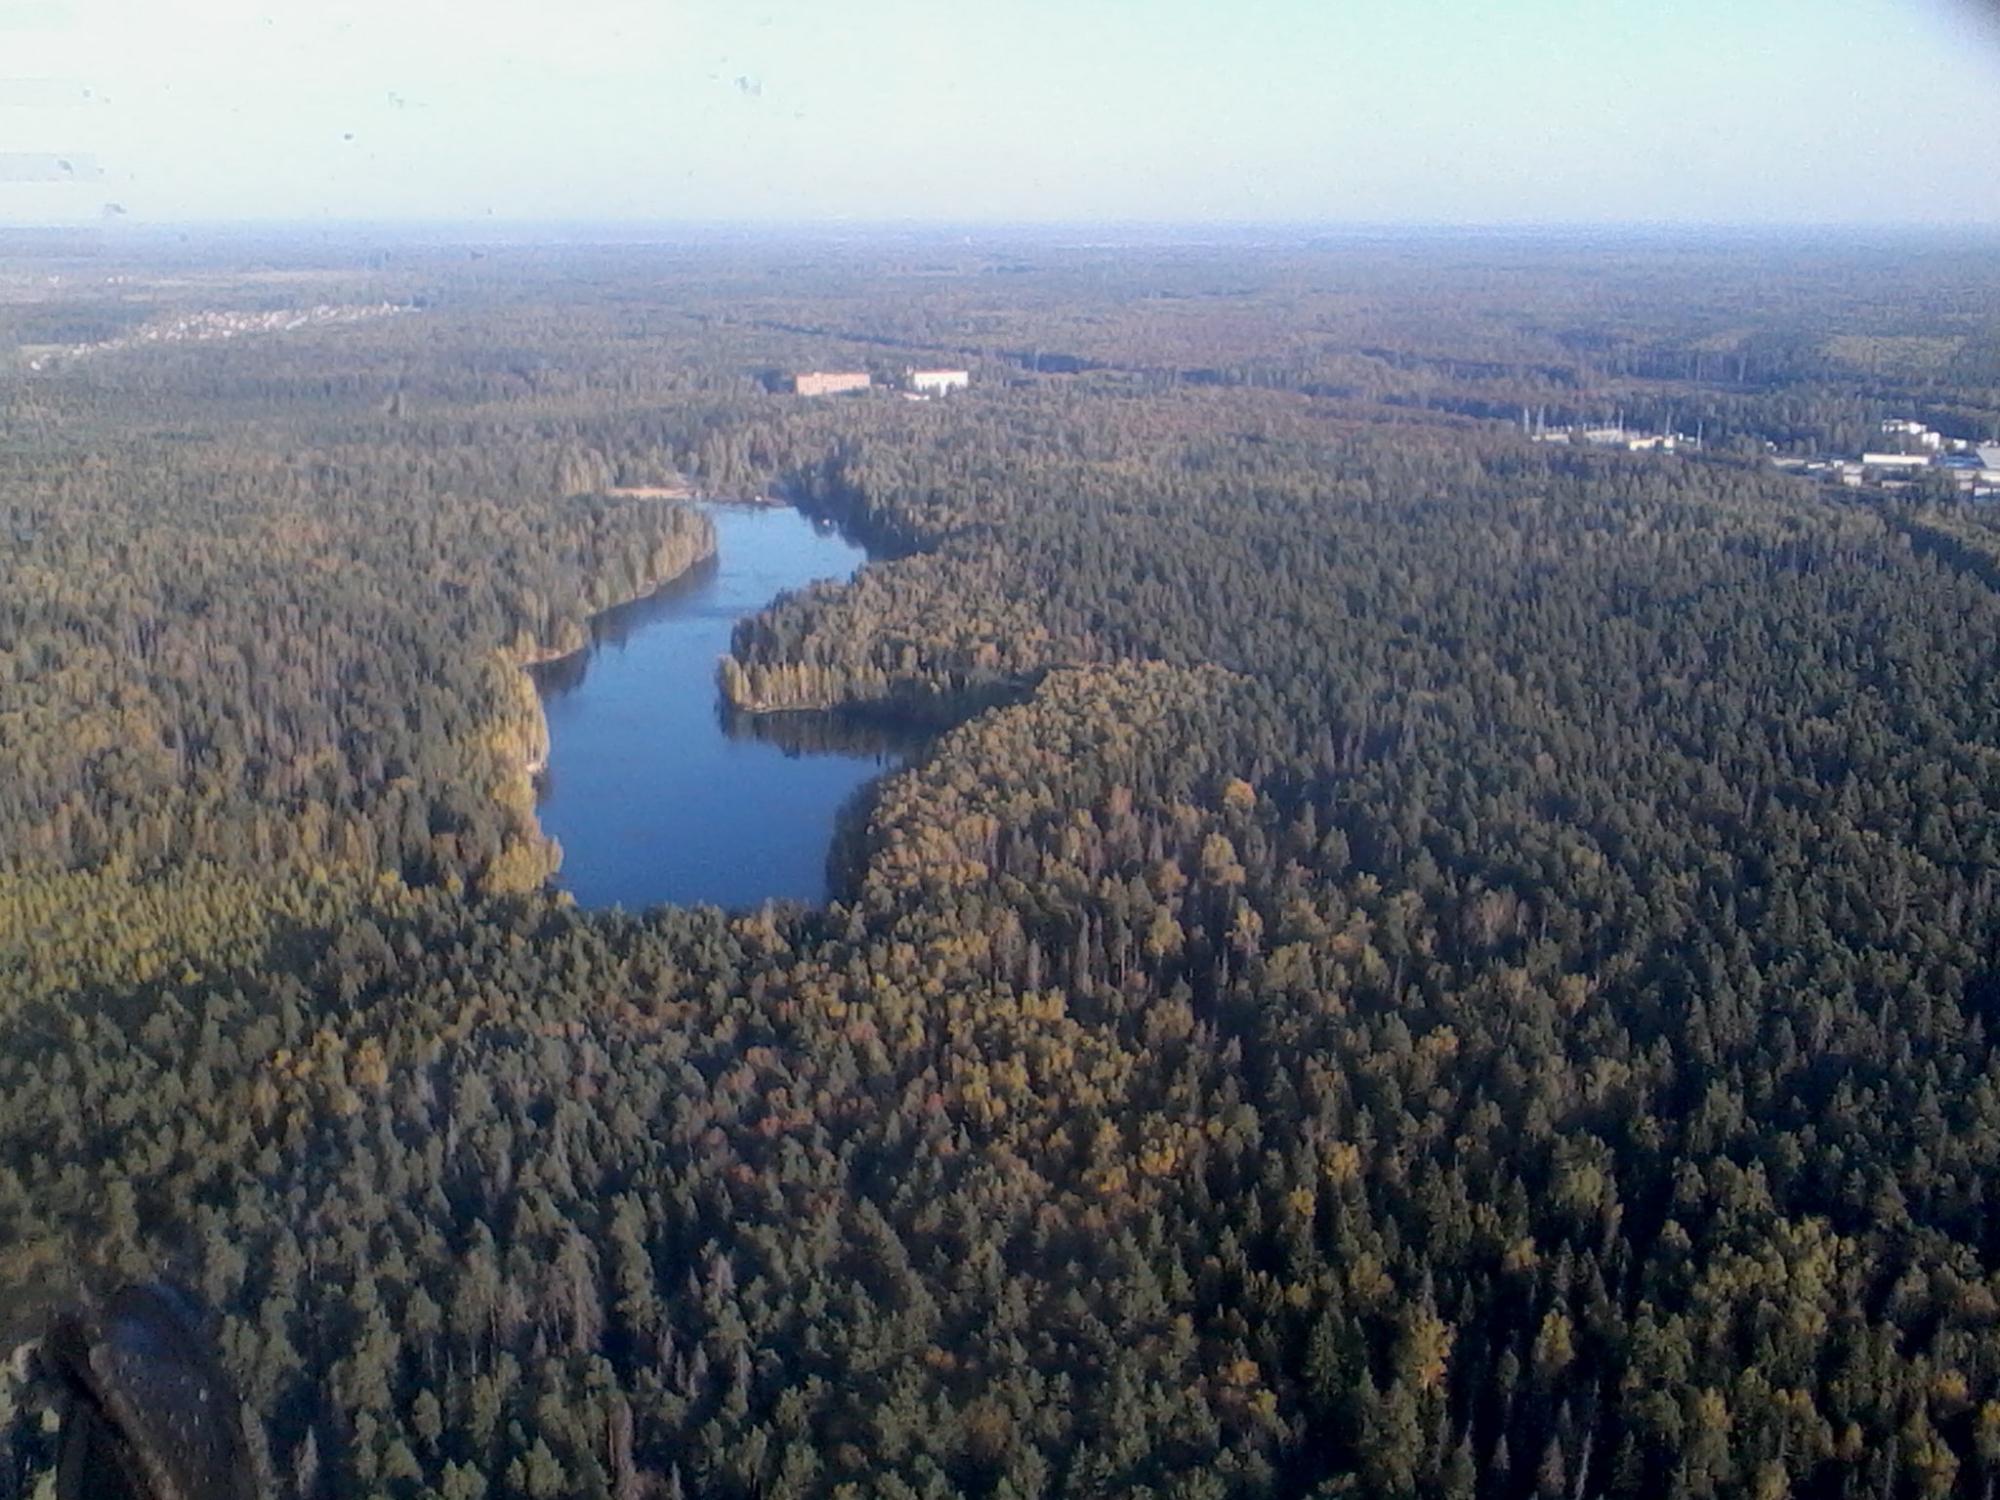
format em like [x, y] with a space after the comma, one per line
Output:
[654, 790]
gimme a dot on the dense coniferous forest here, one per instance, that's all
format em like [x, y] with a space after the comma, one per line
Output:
[1419, 962]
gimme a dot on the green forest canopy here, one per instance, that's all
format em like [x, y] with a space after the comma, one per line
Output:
[1428, 963]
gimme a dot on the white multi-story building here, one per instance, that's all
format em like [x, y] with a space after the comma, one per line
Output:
[1924, 437]
[939, 382]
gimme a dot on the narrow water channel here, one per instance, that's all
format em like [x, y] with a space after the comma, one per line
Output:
[654, 791]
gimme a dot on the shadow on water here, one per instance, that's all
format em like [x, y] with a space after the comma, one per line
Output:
[836, 731]
[896, 735]
[618, 624]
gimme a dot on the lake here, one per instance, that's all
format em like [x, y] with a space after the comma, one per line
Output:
[654, 789]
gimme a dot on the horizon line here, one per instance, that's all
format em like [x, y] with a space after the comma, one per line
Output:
[636, 229]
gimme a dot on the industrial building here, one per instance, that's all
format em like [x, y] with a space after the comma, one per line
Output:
[1616, 437]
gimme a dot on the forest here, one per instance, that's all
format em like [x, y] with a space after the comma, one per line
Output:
[1418, 962]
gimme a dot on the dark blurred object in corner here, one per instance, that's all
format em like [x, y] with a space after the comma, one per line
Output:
[147, 1413]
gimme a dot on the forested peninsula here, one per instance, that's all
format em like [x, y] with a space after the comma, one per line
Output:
[1426, 961]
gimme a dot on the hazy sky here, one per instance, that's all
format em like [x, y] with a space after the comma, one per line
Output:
[1453, 111]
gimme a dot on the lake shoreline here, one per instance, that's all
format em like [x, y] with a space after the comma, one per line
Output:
[526, 718]
[655, 789]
